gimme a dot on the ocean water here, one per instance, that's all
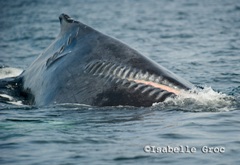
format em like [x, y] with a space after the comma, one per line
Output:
[198, 40]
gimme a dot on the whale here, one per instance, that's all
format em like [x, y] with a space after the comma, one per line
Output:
[85, 66]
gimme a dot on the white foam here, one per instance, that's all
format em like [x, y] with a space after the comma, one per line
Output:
[11, 99]
[9, 72]
[205, 99]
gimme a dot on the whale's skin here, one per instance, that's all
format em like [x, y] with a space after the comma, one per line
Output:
[84, 66]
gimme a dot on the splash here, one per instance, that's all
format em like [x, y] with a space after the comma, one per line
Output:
[199, 100]
[9, 99]
[6, 72]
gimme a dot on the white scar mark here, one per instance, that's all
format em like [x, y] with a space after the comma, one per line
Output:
[156, 85]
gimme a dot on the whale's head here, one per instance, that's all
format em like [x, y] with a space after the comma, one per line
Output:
[85, 66]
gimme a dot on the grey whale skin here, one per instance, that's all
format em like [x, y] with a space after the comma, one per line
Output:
[85, 66]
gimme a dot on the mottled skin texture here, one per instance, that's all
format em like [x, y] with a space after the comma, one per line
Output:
[58, 75]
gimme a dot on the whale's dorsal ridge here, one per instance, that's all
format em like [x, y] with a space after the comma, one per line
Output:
[67, 23]
[64, 18]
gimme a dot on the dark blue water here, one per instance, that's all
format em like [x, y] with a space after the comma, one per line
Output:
[198, 40]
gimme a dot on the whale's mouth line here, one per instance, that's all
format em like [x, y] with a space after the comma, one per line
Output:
[155, 86]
